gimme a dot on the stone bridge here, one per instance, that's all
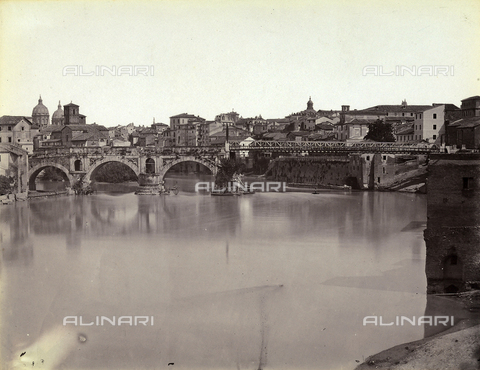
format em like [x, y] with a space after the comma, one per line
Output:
[81, 163]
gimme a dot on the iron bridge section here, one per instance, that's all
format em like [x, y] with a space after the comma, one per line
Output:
[336, 146]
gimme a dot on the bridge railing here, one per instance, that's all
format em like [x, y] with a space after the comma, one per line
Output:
[133, 151]
[335, 146]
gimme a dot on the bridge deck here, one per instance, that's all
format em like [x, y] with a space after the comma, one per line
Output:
[336, 146]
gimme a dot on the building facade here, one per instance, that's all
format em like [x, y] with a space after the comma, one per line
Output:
[429, 125]
[464, 133]
[453, 223]
[19, 131]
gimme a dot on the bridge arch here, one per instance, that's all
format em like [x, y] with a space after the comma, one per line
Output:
[34, 171]
[91, 171]
[210, 164]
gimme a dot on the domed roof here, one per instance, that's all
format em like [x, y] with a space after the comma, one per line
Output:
[40, 108]
[59, 112]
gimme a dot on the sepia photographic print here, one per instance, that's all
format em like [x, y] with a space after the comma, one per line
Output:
[221, 184]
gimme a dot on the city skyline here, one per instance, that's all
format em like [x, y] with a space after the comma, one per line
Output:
[211, 57]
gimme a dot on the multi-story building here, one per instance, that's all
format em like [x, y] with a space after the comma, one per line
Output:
[353, 124]
[188, 129]
[465, 132]
[471, 106]
[19, 131]
[429, 124]
[72, 115]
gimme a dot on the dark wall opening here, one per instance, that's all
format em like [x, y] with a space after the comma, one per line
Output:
[113, 172]
[150, 165]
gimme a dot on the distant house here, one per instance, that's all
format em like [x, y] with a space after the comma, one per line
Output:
[298, 136]
[275, 136]
[429, 124]
[405, 133]
[276, 124]
[465, 132]
[245, 143]
[353, 130]
[324, 128]
[160, 127]
[18, 130]
[73, 135]
[388, 113]
[189, 129]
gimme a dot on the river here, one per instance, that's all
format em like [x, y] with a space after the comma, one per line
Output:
[270, 280]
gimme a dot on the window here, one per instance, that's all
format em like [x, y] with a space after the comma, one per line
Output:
[0, 139]
[23, 128]
[9, 139]
[403, 114]
[434, 127]
[434, 115]
[467, 183]
[384, 157]
[18, 140]
[411, 114]
[434, 137]
[384, 171]
[9, 128]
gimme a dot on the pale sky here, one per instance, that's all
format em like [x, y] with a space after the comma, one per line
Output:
[256, 57]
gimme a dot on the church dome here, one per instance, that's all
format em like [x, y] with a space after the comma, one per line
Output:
[59, 112]
[40, 109]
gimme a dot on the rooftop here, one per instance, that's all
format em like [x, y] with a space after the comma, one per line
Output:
[466, 122]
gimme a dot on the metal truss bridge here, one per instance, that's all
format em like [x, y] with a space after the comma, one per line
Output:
[336, 147]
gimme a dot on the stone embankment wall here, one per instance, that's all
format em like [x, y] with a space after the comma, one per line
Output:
[361, 171]
[326, 170]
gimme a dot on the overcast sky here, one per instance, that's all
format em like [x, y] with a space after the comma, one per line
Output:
[256, 57]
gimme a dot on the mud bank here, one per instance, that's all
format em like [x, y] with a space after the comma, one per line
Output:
[455, 348]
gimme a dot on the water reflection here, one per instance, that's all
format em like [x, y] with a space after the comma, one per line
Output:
[270, 280]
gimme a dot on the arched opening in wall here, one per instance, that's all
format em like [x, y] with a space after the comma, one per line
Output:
[48, 179]
[185, 175]
[78, 165]
[114, 177]
[150, 165]
[353, 182]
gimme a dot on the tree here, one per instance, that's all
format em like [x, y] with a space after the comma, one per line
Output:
[226, 170]
[380, 131]
[5, 185]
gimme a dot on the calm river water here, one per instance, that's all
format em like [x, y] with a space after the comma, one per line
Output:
[270, 280]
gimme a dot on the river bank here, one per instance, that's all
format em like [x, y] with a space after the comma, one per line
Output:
[455, 348]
